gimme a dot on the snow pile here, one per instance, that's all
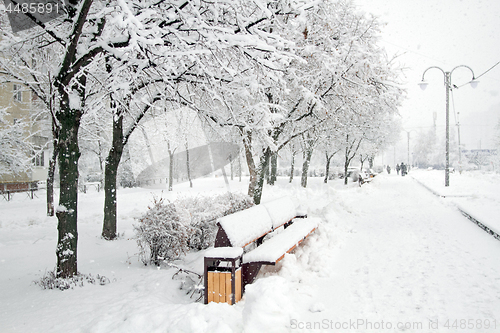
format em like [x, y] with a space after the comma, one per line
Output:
[268, 305]
[224, 252]
[50, 281]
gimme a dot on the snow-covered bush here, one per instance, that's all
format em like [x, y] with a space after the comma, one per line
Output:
[160, 233]
[169, 229]
[203, 212]
[50, 281]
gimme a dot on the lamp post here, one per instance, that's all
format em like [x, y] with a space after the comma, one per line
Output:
[447, 83]
[459, 150]
[408, 143]
[459, 145]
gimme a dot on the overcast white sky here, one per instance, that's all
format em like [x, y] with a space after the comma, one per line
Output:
[445, 33]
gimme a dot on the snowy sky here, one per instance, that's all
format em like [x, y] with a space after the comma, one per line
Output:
[445, 33]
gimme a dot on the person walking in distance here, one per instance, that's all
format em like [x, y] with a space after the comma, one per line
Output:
[398, 168]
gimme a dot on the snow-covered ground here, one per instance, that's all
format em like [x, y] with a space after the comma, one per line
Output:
[388, 256]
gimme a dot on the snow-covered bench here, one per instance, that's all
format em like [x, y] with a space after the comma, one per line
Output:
[265, 233]
[365, 177]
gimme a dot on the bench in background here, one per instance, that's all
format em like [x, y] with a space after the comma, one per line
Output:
[8, 189]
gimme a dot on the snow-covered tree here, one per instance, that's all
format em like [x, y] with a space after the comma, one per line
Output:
[34, 67]
[205, 45]
[338, 76]
[272, 70]
[309, 142]
[15, 146]
[329, 145]
[94, 139]
[165, 42]
[293, 148]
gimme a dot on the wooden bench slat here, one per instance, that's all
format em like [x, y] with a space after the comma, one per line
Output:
[237, 284]
[210, 285]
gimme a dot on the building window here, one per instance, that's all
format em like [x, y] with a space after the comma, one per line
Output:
[18, 94]
[39, 159]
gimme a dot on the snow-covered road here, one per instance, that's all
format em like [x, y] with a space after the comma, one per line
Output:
[409, 260]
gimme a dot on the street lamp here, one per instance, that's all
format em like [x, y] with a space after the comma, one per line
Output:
[447, 83]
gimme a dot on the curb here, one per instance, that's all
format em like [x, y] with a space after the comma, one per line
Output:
[481, 225]
[464, 213]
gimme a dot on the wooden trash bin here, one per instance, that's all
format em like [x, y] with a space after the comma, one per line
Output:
[223, 275]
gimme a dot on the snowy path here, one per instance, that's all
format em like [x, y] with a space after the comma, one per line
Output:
[389, 252]
[410, 258]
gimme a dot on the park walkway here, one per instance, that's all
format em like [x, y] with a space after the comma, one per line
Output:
[409, 257]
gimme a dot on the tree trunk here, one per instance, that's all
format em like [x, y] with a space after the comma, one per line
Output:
[346, 165]
[66, 213]
[110, 176]
[274, 168]
[231, 166]
[100, 155]
[150, 151]
[348, 156]
[53, 158]
[187, 166]
[327, 167]
[247, 143]
[50, 179]
[263, 166]
[346, 162]
[170, 167]
[292, 167]
[68, 151]
[267, 174]
[305, 167]
[125, 174]
[239, 167]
